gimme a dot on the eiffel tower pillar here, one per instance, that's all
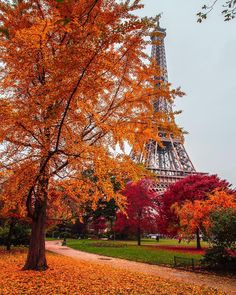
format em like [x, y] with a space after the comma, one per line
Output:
[170, 162]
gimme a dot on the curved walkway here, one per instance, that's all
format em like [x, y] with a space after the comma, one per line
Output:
[227, 285]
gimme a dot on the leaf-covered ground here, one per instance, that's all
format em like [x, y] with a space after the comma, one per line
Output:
[69, 276]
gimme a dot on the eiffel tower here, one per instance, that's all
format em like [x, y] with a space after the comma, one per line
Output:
[170, 162]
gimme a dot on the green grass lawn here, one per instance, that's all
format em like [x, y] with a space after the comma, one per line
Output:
[50, 239]
[129, 250]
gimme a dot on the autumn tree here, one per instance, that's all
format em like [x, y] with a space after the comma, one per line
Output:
[191, 188]
[14, 216]
[216, 217]
[141, 209]
[75, 82]
[199, 214]
[99, 225]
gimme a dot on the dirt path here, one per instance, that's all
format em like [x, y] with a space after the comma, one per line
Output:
[227, 285]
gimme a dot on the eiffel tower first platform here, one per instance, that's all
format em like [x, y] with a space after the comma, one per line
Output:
[170, 162]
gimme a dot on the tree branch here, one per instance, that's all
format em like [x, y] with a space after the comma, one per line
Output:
[70, 99]
[31, 133]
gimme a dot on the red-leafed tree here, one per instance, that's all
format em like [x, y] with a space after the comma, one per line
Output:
[191, 188]
[141, 209]
[99, 225]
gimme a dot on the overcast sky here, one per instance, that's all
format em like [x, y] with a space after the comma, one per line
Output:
[201, 58]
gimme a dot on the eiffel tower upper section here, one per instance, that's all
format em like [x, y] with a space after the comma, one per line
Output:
[170, 162]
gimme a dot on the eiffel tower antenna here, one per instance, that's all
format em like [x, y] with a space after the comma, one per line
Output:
[158, 17]
[170, 162]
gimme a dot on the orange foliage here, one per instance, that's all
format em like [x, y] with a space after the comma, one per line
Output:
[196, 214]
[68, 276]
[75, 82]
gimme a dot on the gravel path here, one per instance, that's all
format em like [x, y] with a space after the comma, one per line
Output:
[227, 285]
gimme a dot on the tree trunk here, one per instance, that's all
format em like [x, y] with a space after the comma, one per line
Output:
[198, 239]
[9, 236]
[139, 236]
[36, 259]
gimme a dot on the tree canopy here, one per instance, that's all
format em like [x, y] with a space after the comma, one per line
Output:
[202, 214]
[75, 83]
[141, 210]
[188, 189]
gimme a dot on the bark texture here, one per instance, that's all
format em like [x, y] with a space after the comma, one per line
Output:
[36, 259]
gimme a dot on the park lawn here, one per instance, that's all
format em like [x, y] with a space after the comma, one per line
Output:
[49, 239]
[172, 242]
[69, 276]
[129, 250]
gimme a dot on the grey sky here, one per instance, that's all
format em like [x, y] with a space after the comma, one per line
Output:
[201, 58]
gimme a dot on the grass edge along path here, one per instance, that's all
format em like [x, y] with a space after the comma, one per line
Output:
[70, 276]
[130, 251]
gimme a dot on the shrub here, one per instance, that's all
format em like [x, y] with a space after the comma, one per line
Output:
[218, 258]
[223, 228]
[222, 237]
[20, 235]
[3, 235]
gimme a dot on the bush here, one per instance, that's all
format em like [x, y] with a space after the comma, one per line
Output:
[222, 236]
[222, 232]
[20, 235]
[3, 235]
[218, 258]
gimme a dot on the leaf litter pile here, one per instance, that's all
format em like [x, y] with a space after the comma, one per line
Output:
[69, 276]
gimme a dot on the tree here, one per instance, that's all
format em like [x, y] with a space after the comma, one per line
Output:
[140, 212]
[14, 232]
[222, 236]
[15, 219]
[106, 207]
[229, 10]
[75, 82]
[99, 225]
[216, 216]
[222, 231]
[11, 218]
[205, 214]
[106, 212]
[191, 188]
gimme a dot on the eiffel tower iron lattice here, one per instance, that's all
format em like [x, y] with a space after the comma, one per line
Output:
[170, 162]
